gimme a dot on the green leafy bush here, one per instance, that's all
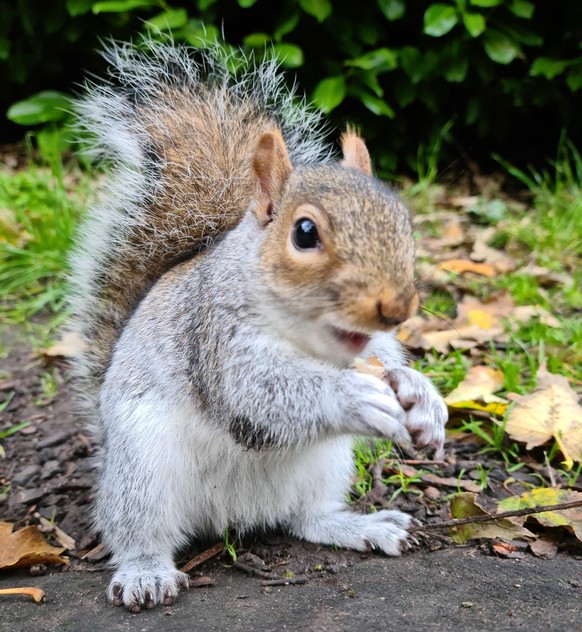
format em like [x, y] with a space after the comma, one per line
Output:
[506, 74]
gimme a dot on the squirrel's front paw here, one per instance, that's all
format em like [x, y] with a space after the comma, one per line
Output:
[372, 409]
[139, 588]
[426, 412]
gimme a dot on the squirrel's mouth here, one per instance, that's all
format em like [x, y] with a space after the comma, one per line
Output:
[352, 341]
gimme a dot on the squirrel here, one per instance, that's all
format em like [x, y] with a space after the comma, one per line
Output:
[224, 282]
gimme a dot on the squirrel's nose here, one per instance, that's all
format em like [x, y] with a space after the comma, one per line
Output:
[391, 313]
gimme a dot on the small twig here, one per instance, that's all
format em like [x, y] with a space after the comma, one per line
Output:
[549, 468]
[252, 570]
[489, 517]
[215, 549]
[421, 462]
[376, 473]
[283, 581]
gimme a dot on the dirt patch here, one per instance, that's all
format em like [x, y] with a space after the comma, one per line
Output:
[47, 469]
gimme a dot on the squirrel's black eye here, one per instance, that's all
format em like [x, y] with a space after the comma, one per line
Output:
[305, 235]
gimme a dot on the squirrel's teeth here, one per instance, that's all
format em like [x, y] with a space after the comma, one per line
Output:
[352, 340]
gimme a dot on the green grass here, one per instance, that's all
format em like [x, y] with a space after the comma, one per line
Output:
[39, 211]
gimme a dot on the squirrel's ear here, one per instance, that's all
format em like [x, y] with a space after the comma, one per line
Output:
[272, 167]
[355, 152]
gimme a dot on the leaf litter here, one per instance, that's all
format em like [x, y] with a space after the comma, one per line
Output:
[550, 411]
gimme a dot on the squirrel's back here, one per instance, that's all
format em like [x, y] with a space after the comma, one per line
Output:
[179, 130]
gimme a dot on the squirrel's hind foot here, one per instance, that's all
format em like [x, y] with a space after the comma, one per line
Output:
[140, 587]
[385, 530]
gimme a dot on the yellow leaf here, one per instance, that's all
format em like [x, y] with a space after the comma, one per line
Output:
[481, 318]
[495, 408]
[479, 384]
[465, 505]
[543, 496]
[464, 265]
[551, 410]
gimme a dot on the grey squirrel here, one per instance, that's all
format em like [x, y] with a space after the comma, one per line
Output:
[223, 285]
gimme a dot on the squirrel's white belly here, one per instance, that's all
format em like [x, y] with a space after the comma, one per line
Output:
[229, 485]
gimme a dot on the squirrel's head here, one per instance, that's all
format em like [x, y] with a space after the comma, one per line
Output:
[337, 259]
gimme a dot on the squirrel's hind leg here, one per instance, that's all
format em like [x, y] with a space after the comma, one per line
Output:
[145, 500]
[384, 530]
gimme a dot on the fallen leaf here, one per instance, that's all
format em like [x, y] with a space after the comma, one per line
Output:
[371, 366]
[505, 549]
[26, 547]
[524, 313]
[497, 259]
[441, 340]
[464, 201]
[36, 593]
[547, 277]
[451, 481]
[64, 539]
[200, 582]
[479, 383]
[465, 505]
[450, 236]
[69, 346]
[461, 266]
[546, 549]
[482, 319]
[477, 323]
[495, 408]
[498, 306]
[571, 518]
[551, 410]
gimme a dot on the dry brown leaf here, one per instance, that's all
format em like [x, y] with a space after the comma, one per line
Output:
[546, 549]
[26, 547]
[498, 306]
[523, 313]
[476, 323]
[461, 266]
[451, 481]
[479, 384]
[458, 337]
[495, 258]
[547, 277]
[551, 410]
[505, 549]
[452, 235]
[64, 539]
[69, 346]
[464, 201]
[36, 593]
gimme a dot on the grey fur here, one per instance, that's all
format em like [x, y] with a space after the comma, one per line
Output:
[224, 397]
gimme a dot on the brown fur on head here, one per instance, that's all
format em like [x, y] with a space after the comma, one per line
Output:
[359, 276]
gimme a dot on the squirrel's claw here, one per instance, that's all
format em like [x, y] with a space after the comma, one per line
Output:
[426, 412]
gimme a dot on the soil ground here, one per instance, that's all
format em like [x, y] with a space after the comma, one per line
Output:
[456, 589]
[48, 469]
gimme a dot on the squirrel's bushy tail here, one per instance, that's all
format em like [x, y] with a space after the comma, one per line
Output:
[179, 129]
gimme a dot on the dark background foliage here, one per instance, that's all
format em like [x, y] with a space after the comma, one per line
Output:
[477, 76]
